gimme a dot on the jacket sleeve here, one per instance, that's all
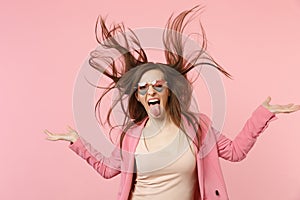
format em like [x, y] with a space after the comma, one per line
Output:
[107, 167]
[237, 149]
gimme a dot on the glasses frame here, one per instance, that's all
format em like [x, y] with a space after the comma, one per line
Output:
[157, 85]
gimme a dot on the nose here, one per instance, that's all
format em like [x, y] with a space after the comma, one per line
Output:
[151, 90]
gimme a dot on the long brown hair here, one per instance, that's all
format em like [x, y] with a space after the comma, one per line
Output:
[133, 63]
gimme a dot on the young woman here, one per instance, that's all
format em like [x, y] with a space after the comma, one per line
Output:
[165, 150]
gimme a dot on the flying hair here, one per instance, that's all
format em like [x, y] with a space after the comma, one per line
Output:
[125, 72]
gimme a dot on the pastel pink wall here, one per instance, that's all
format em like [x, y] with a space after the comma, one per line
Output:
[44, 43]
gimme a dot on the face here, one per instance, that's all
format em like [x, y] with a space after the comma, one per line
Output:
[153, 93]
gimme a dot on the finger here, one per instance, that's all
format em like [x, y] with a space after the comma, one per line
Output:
[291, 107]
[268, 100]
[48, 132]
[70, 128]
[49, 135]
[288, 105]
[51, 138]
[296, 107]
[283, 107]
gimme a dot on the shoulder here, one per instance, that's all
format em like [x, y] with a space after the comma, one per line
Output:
[204, 121]
[199, 129]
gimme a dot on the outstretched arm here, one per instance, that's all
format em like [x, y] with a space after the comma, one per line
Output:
[107, 167]
[237, 149]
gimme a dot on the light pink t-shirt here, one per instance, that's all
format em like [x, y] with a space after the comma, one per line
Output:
[168, 173]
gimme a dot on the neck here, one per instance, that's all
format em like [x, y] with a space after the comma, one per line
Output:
[155, 126]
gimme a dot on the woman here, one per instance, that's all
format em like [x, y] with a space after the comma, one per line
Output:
[165, 150]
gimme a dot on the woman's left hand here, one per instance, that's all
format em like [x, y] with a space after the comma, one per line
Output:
[289, 108]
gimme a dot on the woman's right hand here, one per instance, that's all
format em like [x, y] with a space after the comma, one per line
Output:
[70, 136]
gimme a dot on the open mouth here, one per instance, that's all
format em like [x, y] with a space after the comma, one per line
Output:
[153, 102]
[154, 107]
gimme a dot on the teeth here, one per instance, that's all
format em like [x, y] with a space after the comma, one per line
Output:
[153, 101]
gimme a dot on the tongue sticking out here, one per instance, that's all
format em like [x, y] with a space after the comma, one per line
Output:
[155, 110]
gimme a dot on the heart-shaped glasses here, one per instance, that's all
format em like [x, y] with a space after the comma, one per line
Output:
[158, 85]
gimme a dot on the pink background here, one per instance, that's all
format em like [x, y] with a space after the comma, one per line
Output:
[44, 43]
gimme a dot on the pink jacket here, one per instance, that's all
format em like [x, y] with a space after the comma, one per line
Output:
[214, 145]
